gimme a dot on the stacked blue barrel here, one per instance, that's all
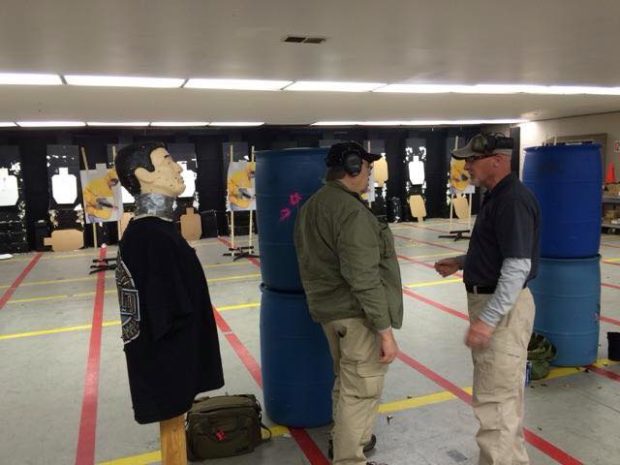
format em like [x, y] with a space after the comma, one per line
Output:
[296, 364]
[567, 181]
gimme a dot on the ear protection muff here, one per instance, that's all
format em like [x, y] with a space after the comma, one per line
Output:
[352, 162]
[494, 142]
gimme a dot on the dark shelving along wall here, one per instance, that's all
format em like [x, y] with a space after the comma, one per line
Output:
[208, 143]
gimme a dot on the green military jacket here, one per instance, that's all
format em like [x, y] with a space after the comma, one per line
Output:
[347, 261]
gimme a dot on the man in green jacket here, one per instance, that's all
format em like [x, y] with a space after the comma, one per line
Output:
[351, 277]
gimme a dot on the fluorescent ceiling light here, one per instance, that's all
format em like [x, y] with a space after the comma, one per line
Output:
[236, 84]
[50, 124]
[336, 123]
[7, 124]
[179, 123]
[421, 122]
[462, 122]
[382, 123]
[27, 79]
[333, 86]
[122, 81]
[498, 89]
[118, 123]
[236, 123]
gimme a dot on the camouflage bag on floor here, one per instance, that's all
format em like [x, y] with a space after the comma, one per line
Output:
[223, 426]
[540, 352]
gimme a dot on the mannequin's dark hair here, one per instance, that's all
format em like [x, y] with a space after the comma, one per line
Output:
[132, 157]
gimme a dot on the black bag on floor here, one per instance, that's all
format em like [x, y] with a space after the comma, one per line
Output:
[223, 426]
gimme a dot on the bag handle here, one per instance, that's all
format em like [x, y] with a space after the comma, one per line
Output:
[266, 428]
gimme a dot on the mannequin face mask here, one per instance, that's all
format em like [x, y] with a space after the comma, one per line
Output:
[166, 179]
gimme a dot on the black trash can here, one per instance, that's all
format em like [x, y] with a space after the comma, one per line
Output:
[614, 346]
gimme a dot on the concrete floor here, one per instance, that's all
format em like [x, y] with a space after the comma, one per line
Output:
[65, 397]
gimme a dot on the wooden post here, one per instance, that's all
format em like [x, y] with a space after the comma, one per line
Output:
[452, 194]
[118, 223]
[172, 438]
[232, 212]
[252, 211]
[85, 160]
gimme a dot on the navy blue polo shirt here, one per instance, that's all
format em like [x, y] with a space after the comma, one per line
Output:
[507, 226]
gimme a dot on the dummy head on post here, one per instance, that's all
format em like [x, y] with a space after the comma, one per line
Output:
[150, 174]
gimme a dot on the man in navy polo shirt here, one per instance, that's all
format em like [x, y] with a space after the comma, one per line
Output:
[502, 257]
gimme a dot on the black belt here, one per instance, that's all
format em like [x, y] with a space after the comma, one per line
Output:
[475, 289]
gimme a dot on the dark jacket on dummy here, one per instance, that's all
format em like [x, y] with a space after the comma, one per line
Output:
[169, 330]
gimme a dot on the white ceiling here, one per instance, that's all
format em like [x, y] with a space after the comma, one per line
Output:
[569, 42]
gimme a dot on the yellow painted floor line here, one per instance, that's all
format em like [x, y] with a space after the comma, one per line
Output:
[38, 299]
[68, 329]
[113, 291]
[237, 307]
[611, 259]
[51, 281]
[142, 459]
[92, 278]
[215, 265]
[54, 331]
[230, 278]
[434, 283]
[154, 457]
[388, 407]
[443, 254]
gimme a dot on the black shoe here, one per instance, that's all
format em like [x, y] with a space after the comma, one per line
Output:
[367, 448]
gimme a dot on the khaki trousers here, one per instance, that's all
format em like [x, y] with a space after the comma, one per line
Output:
[499, 379]
[358, 384]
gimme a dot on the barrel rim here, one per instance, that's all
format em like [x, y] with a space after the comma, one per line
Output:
[291, 151]
[596, 257]
[557, 148]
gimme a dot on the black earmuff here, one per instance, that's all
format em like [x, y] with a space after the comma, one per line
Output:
[352, 162]
[498, 142]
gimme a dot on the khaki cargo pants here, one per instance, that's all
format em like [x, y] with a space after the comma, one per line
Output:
[358, 384]
[499, 378]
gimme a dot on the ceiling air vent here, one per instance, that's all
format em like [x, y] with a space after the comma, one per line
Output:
[304, 40]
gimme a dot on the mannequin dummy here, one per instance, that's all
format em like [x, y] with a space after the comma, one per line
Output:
[168, 328]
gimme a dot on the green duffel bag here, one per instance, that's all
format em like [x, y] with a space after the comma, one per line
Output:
[540, 353]
[223, 426]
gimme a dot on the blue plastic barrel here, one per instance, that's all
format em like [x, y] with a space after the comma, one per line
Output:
[567, 180]
[296, 363]
[567, 293]
[284, 181]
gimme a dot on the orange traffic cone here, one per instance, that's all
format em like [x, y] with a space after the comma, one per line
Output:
[610, 175]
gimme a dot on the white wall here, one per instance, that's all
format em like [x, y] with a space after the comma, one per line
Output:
[537, 132]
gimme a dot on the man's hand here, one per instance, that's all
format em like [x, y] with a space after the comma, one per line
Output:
[479, 335]
[447, 266]
[389, 348]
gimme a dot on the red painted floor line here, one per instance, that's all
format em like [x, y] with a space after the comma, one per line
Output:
[425, 264]
[541, 444]
[228, 244]
[607, 244]
[9, 292]
[599, 371]
[612, 321]
[607, 262]
[612, 286]
[437, 305]
[307, 445]
[425, 228]
[433, 244]
[606, 373]
[244, 355]
[85, 454]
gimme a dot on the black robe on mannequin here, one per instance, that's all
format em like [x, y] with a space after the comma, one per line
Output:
[169, 329]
